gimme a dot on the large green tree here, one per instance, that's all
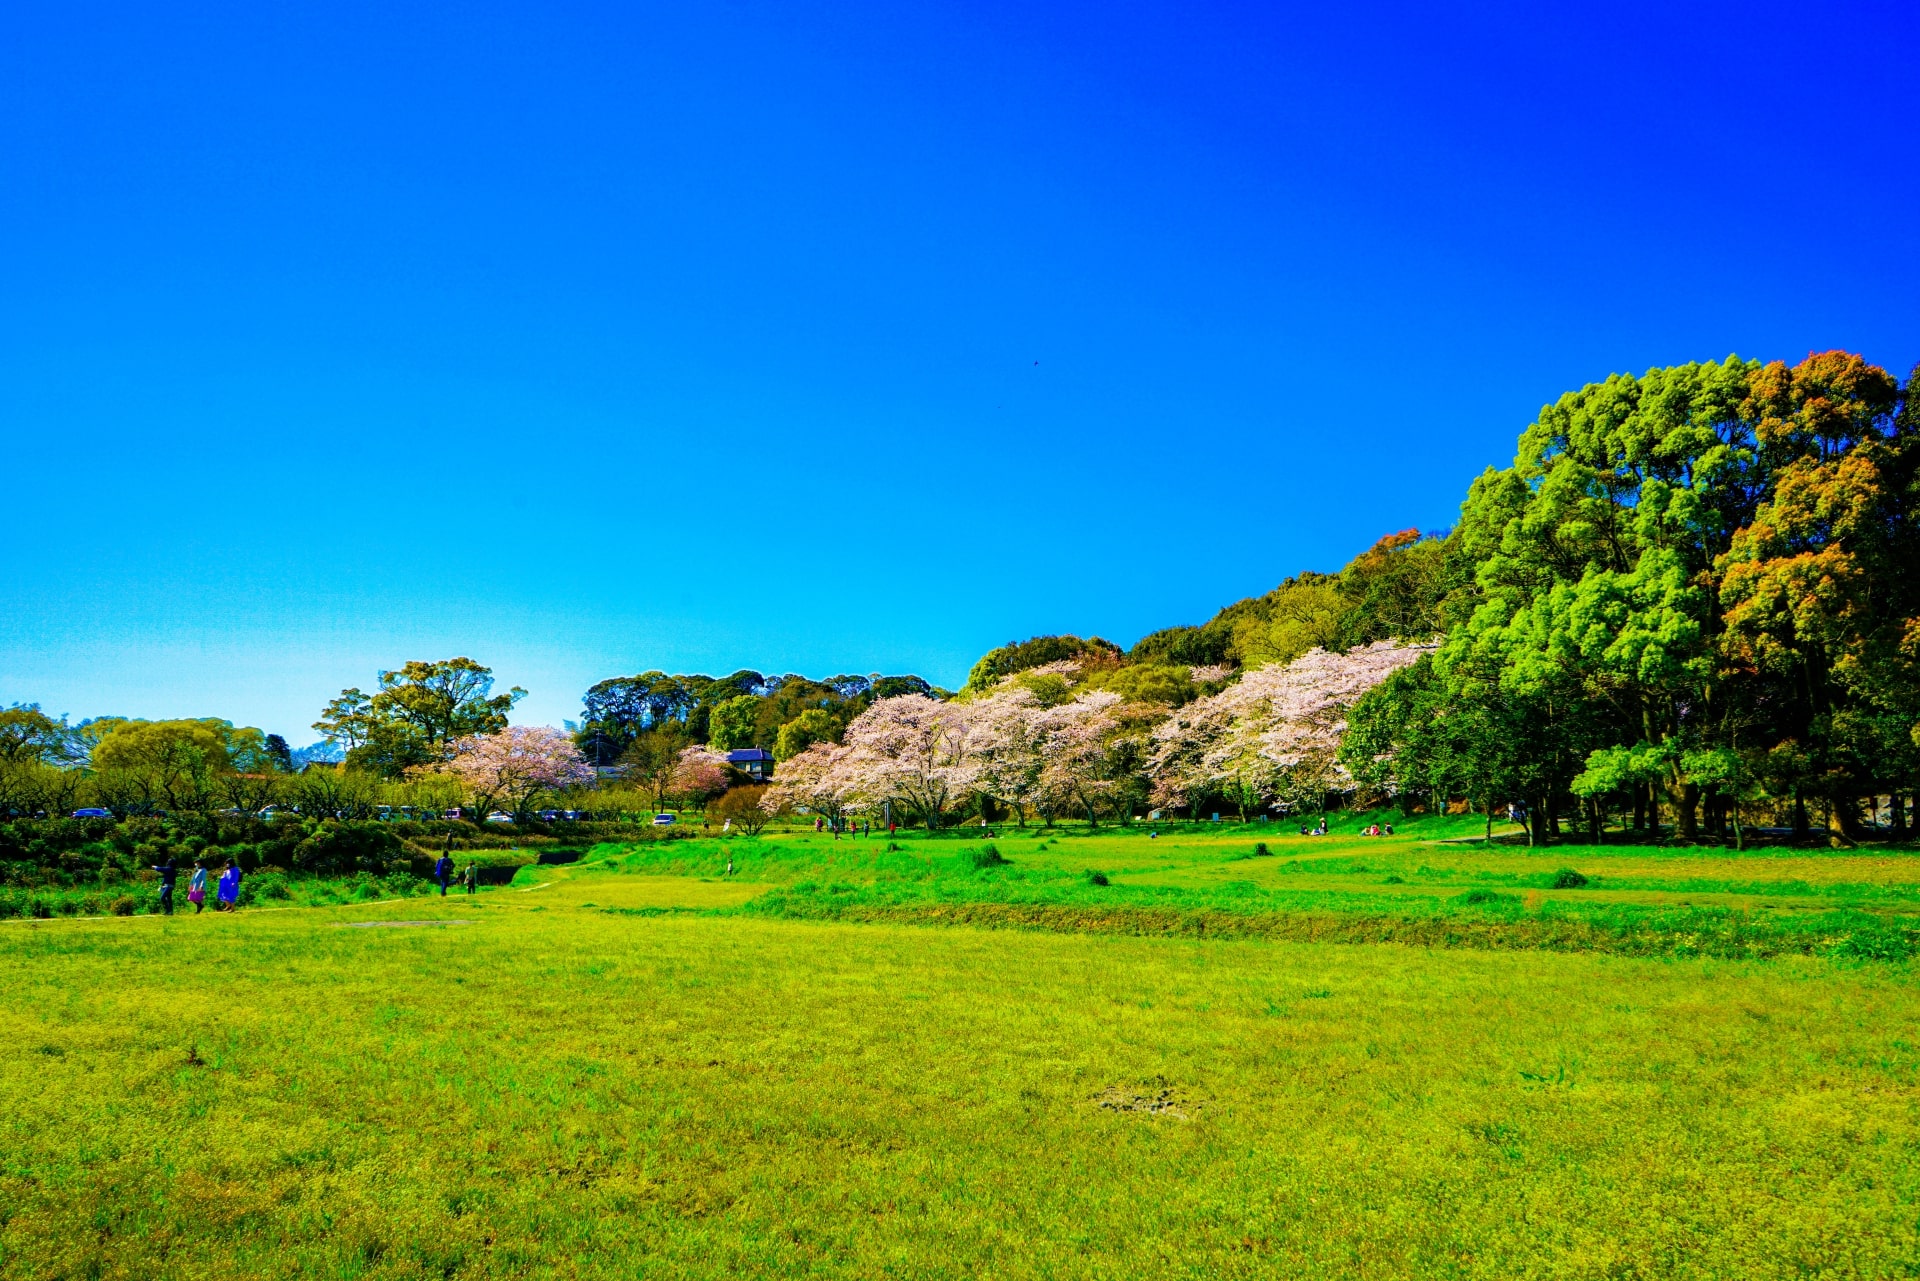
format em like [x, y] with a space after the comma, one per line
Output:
[415, 716]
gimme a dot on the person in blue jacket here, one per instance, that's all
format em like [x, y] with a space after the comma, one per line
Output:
[168, 874]
[442, 869]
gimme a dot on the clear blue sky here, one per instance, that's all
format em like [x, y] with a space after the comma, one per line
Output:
[849, 337]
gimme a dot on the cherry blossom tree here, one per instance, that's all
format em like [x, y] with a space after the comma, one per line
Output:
[1031, 752]
[1072, 740]
[698, 772]
[1273, 735]
[1007, 750]
[915, 751]
[821, 779]
[516, 764]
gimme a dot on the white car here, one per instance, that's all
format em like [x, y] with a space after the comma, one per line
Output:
[499, 816]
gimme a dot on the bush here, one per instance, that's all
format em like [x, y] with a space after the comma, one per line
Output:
[1485, 898]
[264, 886]
[122, 906]
[1097, 878]
[1261, 851]
[1876, 945]
[1568, 879]
[740, 806]
[341, 849]
[985, 856]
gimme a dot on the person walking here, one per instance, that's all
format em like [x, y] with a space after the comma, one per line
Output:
[471, 878]
[168, 874]
[442, 869]
[197, 886]
[228, 890]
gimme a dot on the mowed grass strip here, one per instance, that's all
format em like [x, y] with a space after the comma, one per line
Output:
[554, 1090]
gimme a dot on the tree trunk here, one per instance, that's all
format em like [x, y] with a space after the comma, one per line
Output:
[1488, 839]
[1897, 816]
[1689, 811]
[1653, 809]
[1639, 809]
[1846, 814]
[1801, 828]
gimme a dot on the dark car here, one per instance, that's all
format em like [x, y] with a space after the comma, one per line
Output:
[93, 811]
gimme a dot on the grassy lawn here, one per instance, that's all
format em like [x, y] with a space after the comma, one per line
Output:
[637, 1066]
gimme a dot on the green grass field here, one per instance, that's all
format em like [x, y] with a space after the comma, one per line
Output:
[824, 1065]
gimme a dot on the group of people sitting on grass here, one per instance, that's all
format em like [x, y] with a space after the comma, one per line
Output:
[1375, 829]
[226, 889]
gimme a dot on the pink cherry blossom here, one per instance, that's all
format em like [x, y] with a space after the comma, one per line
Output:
[914, 751]
[516, 764]
[1275, 733]
[821, 779]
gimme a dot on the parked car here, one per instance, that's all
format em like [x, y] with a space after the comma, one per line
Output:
[548, 816]
[455, 812]
[93, 811]
[499, 816]
[573, 816]
[661, 820]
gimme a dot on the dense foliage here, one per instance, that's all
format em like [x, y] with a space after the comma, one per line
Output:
[1694, 592]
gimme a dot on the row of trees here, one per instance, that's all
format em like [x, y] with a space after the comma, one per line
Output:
[1695, 596]
[1057, 739]
[1693, 599]
[782, 714]
[133, 767]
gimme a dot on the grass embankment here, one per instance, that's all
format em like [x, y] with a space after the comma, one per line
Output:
[265, 887]
[551, 1088]
[1410, 888]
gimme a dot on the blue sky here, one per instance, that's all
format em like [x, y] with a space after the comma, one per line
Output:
[849, 337]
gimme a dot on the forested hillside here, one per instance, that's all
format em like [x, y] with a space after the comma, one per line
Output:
[1692, 601]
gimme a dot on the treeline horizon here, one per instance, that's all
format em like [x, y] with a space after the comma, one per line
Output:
[1694, 590]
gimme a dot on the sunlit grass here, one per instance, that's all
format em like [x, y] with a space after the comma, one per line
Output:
[617, 1070]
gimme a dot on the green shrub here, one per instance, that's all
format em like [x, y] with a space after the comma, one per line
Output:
[1097, 878]
[1261, 851]
[264, 886]
[1485, 898]
[1568, 879]
[1887, 944]
[986, 856]
[339, 849]
[123, 906]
